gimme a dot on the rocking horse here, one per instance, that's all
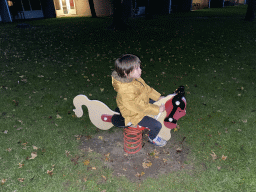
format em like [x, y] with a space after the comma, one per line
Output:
[104, 118]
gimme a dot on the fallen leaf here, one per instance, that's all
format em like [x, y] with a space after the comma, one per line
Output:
[101, 89]
[107, 157]
[8, 149]
[156, 152]
[86, 162]
[239, 130]
[175, 129]
[244, 121]
[104, 177]
[67, 153]
[21, 165]
[58, 116]
[218, 167]
[24, 144]
[33, 155]
[94, 168]
[50, 172]
[100, 137]
[85, 179]
[179, 150]
[214, 156]
[21, 179]
[224, 157]
[65, 99]
[3, 181]
[88, 137]
[19, 128]
[34, 147]
[139, 175]
[146, 164]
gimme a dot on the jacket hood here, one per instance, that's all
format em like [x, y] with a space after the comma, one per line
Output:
[118, 81]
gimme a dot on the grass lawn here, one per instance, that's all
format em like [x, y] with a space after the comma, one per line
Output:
[211, 52]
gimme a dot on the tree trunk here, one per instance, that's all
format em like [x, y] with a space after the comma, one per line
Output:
[250, 14]
[149, 11]
[118, 22]
[93, 12]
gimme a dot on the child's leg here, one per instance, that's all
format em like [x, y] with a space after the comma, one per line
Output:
[153, 125]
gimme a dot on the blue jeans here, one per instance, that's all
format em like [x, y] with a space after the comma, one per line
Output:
[153, 125]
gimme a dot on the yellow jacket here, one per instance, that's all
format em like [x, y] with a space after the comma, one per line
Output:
[133, 98]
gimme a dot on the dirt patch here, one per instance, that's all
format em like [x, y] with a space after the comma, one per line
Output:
[150, 161]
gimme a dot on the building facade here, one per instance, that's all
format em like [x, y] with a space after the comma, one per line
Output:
[82, 7]
[29, 9]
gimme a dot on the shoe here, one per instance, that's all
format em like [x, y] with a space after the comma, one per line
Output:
[158, 141]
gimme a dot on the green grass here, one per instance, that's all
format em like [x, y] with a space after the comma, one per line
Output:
[211, 52]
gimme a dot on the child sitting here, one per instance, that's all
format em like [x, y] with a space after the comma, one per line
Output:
[133, 97]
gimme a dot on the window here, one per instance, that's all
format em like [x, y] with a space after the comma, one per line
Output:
[72, 6]
[10, 3]
[57, 4]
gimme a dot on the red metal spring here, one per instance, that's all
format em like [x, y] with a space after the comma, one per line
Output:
[132, 140]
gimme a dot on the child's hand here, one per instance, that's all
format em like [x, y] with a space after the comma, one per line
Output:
[162, 108]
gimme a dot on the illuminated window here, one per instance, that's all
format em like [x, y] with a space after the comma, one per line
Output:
[57, 4]
[10, 3]
[72, 6]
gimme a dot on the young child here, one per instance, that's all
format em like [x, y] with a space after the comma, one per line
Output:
[133, 97]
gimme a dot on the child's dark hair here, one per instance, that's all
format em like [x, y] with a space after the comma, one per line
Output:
[125, 64]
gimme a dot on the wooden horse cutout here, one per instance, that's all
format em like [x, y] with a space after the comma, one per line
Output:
[95, 109]
[100, 114]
